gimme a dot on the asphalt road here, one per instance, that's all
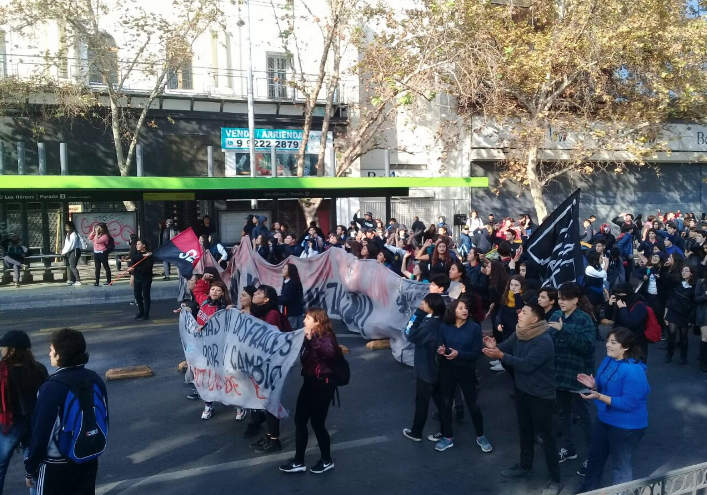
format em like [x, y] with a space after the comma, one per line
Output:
[159, 445]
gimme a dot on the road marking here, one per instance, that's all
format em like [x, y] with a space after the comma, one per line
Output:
[125, 485]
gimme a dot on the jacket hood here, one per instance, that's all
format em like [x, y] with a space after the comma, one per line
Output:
[261, 219]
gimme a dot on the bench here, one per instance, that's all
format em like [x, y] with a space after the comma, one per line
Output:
[44, 266]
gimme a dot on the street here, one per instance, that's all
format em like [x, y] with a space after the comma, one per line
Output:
[159, 445]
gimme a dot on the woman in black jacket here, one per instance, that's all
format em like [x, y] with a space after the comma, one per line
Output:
[141, 269]
[292, 296]
[681, 305]
[20, 379]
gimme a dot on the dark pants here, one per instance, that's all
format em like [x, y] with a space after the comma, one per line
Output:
[141, 291]
[673, 331]
[312, 406]
[67, 479]
[450, 376]
[272, 422]
[423, 393]
[535, 418]
[72, 262]
[567, 403]
[98, 260]
[617, 443]
[658, 307]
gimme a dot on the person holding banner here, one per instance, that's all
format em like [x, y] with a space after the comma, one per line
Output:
[141, 264]
[319, 352]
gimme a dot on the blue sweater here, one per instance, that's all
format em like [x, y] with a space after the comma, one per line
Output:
[626, 383]
[465, 339]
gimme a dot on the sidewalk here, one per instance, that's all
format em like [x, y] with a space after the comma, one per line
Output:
[54, 294]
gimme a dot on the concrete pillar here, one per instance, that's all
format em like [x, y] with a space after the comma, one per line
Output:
[2, 158]
[138, 160]
[42, 157]
[21, 158]
[331, 163]
[386, 162]
[210, 160]
[273, 161]
[64, 158]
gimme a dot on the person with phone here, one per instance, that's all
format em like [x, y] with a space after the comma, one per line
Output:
[627, 312]
[573, 334]
[620, 392]
[530, 351]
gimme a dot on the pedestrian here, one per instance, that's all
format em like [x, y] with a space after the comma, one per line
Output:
[457, 274]
[458, 345]
[320, 351]
[701, 318]
[205, 227]
[141, 263]
[218, 251]
[211, 297]
[573, 333]
[20, 378]
[681, 304]
[51, 464]
[547, 299]
[620, 392]
[628, 312]
[101, 240]
[424, 335]
[264, 307]
[531, 353]
[168, 231]
[15, 257]
[72, 253]
[497, 279]
[291, 296]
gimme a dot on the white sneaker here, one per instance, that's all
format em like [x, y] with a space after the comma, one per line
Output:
[240, 414]
[69, 283]
[494, 362]
[208, 411]
[498, 367]
[77, 283]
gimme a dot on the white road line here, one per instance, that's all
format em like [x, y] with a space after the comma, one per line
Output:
[227, 466]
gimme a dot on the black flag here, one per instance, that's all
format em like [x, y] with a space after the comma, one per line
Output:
[554, 249]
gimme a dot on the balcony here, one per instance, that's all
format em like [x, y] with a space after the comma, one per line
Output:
[193, 82]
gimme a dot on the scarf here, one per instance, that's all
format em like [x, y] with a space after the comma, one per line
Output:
[5, 401]
[511, 299]
[531, 331]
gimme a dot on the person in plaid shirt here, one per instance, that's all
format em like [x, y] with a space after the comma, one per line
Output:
[572, 330]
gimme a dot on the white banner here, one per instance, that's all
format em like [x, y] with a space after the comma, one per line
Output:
[239, 360]
[369, 298]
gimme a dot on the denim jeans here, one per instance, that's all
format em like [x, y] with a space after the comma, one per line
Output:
[8, 445]
[167, 268]
[617, 443]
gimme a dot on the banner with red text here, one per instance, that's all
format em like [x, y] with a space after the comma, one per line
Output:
[239, 360]
[370, 299]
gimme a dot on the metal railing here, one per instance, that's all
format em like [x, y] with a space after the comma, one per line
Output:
[195, 81]
[691, 480]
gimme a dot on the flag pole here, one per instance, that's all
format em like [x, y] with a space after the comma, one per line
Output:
[126, 271]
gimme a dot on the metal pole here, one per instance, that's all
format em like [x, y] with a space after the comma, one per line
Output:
[2, 157]
[20, 158]
[138, 160]
[64, 158]
[386, 163]
[331, 166]
[251, 111]
[42, 156]
[210, 160]
[273, 161]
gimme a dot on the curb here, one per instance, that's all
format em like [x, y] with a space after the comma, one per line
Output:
[129, 372]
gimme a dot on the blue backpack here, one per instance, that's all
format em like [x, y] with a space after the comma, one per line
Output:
[84, 421]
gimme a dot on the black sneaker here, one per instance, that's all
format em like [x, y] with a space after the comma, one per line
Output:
[137, 316]
[321, 466]
[259, 443]
[516, 471]
[145, 317]
[582, 470]
[436, 437]
[251, 430]
[566, 455]
[407, 433]
[193, 396]
[269, 447]
[293, 467]
[106, 283]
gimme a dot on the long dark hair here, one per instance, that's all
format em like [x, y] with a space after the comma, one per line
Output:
[72, 227]
[436, 304]
[518, 278]
[498, 279]
[572, 290]
[25, 358]
[293, 273]
[450, 316]
[323, 322]
[628, 341]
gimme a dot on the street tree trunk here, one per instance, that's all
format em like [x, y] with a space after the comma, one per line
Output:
[309, 208]
[536, 186]
[331, 93]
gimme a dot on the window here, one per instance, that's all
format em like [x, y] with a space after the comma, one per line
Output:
[63, 62]
[102, 58]
[179, 57]
[277, 66]
[3, 55]
[181, 78]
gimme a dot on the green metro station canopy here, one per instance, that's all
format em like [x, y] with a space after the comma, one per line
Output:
[76, 188]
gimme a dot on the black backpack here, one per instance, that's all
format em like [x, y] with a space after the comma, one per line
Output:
[111, 244]
[341, 370]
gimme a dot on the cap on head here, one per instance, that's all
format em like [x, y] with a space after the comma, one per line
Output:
[17, 339]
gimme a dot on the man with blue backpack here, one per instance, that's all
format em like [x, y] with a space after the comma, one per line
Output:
[70, 424]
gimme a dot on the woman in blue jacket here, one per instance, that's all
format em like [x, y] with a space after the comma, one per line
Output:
[620, 392]
[458, 346]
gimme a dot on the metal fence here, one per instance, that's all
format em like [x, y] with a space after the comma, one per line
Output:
[429, 210]
[691, 480]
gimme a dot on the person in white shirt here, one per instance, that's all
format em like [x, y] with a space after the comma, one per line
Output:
[72, 253]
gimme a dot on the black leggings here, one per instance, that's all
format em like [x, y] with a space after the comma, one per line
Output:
[98, 260]
[673, 331]
[141, 291]
[449, 376]
[312, 406]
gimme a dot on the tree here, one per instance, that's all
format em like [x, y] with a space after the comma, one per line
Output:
[156, 45]
[608, 73]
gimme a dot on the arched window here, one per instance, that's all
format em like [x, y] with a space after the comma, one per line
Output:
[102, 59]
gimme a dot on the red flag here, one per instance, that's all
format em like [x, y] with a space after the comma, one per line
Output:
[184, 251]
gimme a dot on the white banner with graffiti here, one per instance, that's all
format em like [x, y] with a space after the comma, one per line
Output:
[369, 298]
[239, 360]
